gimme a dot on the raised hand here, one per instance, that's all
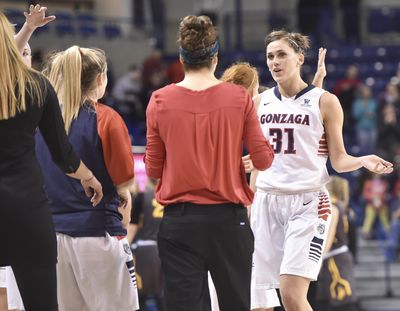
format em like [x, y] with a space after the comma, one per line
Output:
[321, 68]
[320, 74]
[37, 16]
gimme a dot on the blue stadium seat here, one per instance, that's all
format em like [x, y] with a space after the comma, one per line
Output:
[87, 24]
[396, 19]
[277, 21]
[64, 23]
[336, 71]
[380, 20]
[42, 30]
[379, 85]
[15, 17]
[111, 30]
[329, 84]
[340, 55]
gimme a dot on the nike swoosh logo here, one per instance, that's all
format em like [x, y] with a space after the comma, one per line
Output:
[304, 204]
[267, 103]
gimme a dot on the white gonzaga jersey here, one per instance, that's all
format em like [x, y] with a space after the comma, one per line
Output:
[294, 129]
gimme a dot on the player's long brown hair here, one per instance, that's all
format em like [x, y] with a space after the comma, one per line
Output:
[338, 188]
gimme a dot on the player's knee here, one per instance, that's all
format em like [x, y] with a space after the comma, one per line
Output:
[290, 299]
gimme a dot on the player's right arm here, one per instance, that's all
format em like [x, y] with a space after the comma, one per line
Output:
[34, 19]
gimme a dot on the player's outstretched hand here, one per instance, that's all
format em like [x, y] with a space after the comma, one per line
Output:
[37, 16]
[376, 164]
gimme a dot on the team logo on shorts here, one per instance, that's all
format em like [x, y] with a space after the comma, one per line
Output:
[321, 228]
[127, 249]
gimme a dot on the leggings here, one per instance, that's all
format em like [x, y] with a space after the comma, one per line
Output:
[38, 286]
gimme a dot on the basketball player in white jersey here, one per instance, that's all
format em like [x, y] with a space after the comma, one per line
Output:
[291, 209]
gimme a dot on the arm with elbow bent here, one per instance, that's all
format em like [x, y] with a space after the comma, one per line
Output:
[332, 115]
[89, 183]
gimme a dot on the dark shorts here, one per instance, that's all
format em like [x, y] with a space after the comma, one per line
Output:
[148, 270]
[336, 280]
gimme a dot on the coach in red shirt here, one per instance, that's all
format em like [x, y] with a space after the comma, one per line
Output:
[195, 134]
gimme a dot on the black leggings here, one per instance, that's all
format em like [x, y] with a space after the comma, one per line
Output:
[38, 286]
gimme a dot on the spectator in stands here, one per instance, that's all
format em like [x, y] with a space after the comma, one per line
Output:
[175, 72]
[391, 95]
[365, 117]
[393, 237]
[345, 89]
[389, 131]
[153, 74]
[127, 93]
[375, 195]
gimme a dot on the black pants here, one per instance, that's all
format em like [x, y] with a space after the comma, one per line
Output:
[194, 239]
[38, 286]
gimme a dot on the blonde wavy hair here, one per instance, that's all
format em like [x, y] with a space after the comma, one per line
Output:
[73, 73]
[339, 190]
[243, 74]
[16, 78]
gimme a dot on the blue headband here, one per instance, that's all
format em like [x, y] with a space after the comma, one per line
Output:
[199, 56]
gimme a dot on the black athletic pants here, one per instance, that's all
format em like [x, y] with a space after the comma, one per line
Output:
[38, 286]
[194, 239]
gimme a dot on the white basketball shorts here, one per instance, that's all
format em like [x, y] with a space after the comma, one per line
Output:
[95, 273]
[290, 232]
